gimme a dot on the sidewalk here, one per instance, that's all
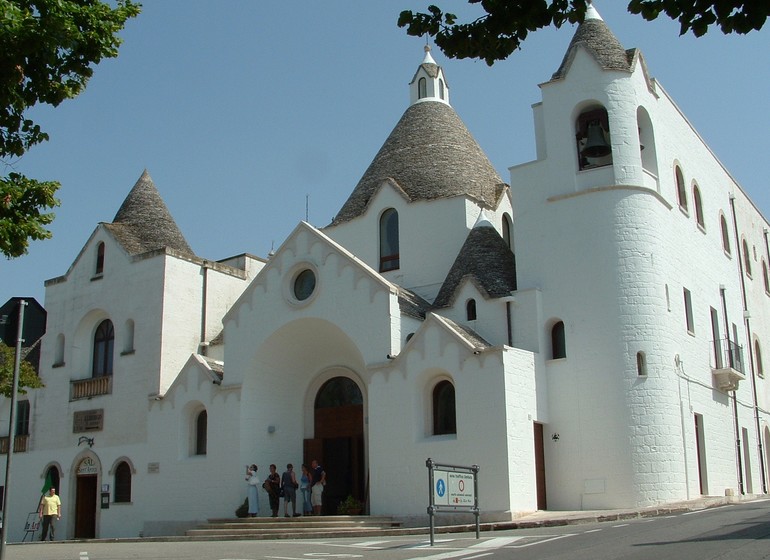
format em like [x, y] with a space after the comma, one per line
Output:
[558, 518]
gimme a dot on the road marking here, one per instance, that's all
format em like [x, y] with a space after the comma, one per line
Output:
[443, 556]
[330, 555]
[478, 555]
[621, 525]
[593, 531]
[370, 544]
[703, 510]
[545, 540]
[497, 542]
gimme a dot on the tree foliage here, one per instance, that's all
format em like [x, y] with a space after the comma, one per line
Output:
[47, 52]
[27, 376]
[506, 23]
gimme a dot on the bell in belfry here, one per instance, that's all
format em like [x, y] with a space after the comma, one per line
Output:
[596, 145]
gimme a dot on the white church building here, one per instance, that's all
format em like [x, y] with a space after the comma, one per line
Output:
[590, 334]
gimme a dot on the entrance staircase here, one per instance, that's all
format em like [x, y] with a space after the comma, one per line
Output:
[306, 527]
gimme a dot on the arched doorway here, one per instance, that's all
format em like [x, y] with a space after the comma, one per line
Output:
[86, 497]
[339, 441]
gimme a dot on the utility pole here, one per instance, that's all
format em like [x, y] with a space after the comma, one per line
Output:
[12, 426]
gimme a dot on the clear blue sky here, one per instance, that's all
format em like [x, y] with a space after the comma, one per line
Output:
[241, 109]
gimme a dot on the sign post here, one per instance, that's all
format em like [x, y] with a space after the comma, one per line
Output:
[12, 427]
[453, 488]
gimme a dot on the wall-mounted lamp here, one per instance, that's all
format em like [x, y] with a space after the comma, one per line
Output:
[555, 437]
[271, 429]
[86, 439]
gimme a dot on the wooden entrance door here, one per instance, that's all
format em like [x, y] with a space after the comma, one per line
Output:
[339, 442]
[85, 507]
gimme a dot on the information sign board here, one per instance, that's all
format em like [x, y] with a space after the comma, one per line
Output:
[454, 489]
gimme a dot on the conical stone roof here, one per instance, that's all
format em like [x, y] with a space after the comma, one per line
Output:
[485, 259]
[143, 222]
[430, 154]
[594, 35]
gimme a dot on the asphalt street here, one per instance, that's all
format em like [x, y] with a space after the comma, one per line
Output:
[727, 532]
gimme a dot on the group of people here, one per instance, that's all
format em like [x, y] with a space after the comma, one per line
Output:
[310, 484]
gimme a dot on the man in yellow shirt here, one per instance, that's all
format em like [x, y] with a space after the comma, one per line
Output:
[50, 507]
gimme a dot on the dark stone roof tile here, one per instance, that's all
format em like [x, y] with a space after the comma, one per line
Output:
[430, 154]
[486, 260]
[596, 37]
[143, 222]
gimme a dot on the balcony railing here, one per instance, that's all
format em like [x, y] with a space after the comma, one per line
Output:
[91, 387]
[727, 364]
[19, 444]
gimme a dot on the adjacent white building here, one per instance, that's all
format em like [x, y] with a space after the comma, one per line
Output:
[590, 334]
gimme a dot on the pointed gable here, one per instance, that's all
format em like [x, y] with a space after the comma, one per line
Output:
[595, 37]
[485, 259]
[143, 222]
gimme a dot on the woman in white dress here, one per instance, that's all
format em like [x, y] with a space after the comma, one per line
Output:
[253, 496]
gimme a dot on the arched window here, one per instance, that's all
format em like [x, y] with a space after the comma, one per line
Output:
[470, 310]
[128, 337]
[422, 88]
[647, 147]
[99, 258]
[641, 364]
[122, 483]
[338, 391]
[593, 138]
[389, 251]
[698, 205]
[201, 432]
[746, 258]
[58, 357]
[508, 231]
[52, 478]
[725, 234]
[558, 342]
[681, 193]
[758, 359]
[444, 413]
[22, 418]
[104, 342]
[441, 89]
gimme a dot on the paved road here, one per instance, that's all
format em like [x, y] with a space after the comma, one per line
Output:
[725, 533]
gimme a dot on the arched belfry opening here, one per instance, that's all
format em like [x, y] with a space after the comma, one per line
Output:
[338, 421]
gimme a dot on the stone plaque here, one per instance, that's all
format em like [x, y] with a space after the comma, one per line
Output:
[88, 421]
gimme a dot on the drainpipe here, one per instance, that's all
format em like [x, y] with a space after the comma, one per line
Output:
[731, 363]
[747, 322]
[508, 320]
[204, 291]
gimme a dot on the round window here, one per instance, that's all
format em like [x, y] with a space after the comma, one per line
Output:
[304, 284]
